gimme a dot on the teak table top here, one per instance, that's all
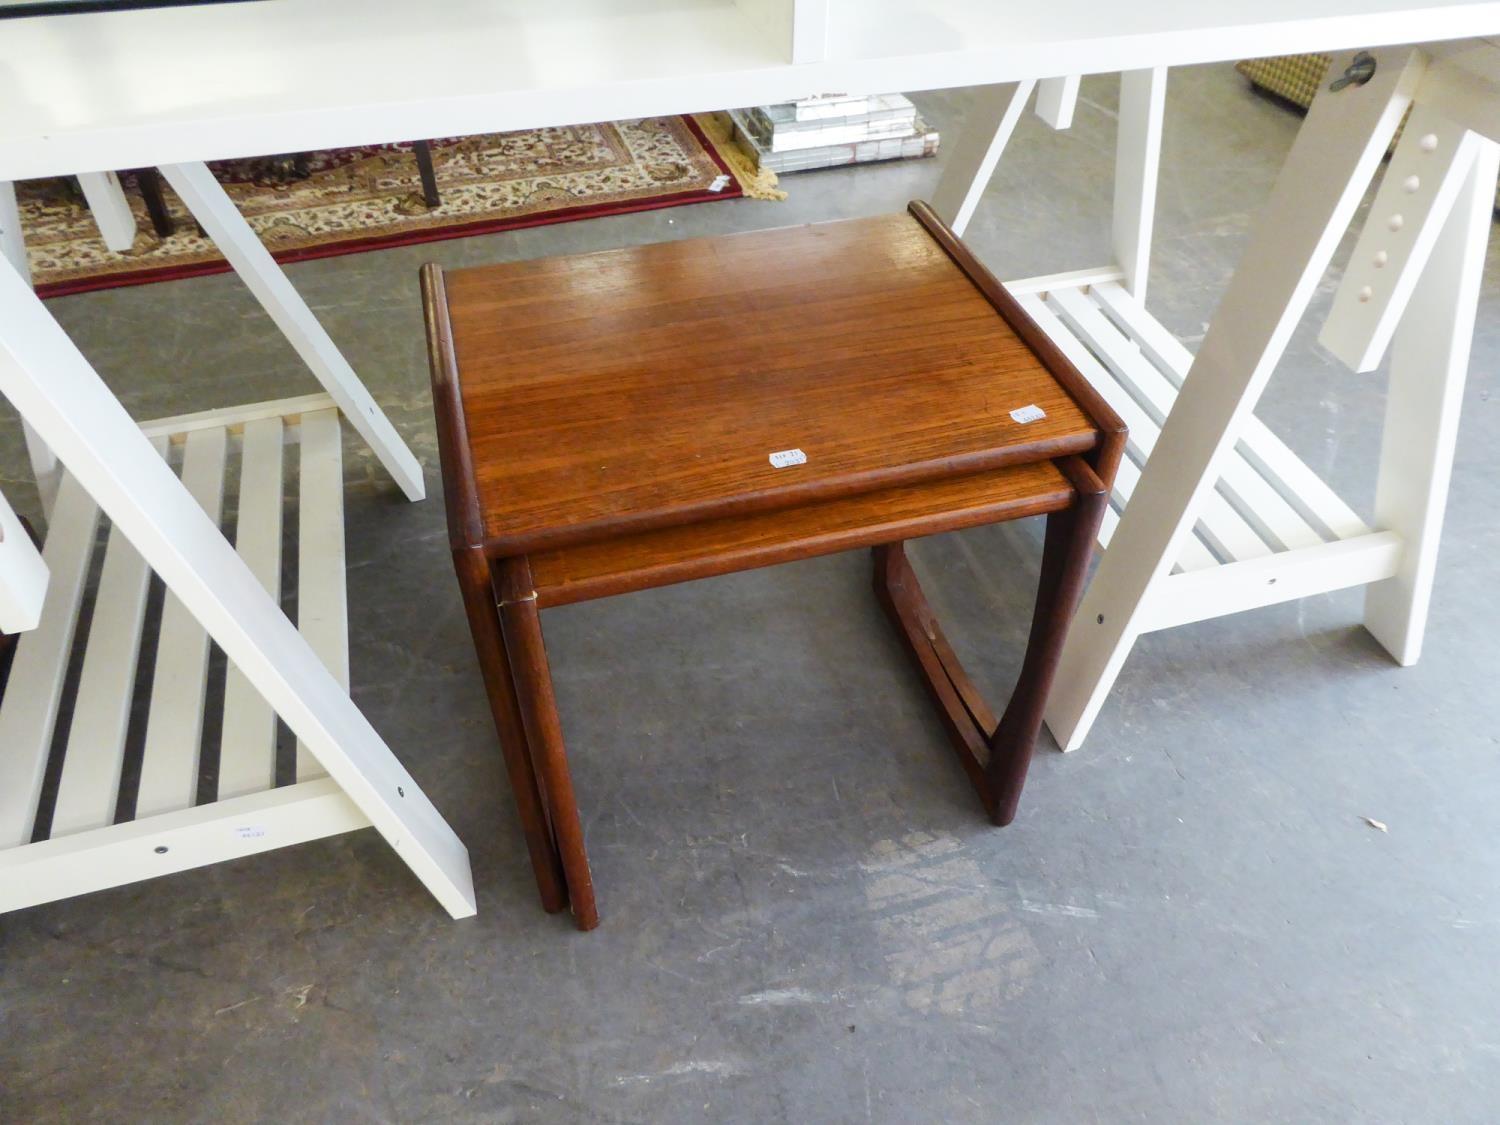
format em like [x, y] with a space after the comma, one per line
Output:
[646, 387]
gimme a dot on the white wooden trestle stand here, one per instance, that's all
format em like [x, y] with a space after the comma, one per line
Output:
[1214, 514]
[91, 459]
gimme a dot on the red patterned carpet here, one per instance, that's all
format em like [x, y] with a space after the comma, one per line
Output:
[357, 199]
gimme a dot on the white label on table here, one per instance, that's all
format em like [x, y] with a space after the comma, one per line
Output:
[249, 831]
[785, 457]
[1031, 413]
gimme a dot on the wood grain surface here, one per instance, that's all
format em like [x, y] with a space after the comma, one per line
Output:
[698, 550]
[645, 387]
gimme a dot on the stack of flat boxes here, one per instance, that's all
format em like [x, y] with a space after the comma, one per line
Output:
[831, 130]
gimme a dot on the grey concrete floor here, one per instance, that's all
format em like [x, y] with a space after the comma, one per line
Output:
[807, 919]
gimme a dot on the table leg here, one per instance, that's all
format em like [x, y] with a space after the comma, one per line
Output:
[478, 588]
[423, 153]
[1066, 554]
[521, 624]
[149, 181]
[965, 716]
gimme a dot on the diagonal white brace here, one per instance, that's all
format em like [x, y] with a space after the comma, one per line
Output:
[198, 189]
[986, 132]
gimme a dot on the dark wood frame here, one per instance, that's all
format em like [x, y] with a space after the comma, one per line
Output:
[503, 604]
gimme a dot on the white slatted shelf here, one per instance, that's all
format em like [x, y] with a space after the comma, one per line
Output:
[1301, 487]
[82, 848]
[1195, 555]
[1272, 529]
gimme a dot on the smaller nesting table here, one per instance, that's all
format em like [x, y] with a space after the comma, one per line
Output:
[615, 421]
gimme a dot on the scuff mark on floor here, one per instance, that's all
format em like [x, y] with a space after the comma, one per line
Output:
[779, 997]
[720, 1068]
[952, 948]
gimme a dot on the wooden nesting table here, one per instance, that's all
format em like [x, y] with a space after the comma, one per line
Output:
[615, 421]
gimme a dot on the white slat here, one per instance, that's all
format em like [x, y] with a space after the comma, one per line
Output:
[1107, 526]
[174, 727]
[29, 708]
[1273, 519]
[1195, 556]
[1228, 532]
[1127, 476]
[1142, 429]
[1297, 484]
[247, 752]
[322, 607]
[89, 786]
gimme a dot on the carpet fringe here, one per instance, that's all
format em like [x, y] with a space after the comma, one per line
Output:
[755, 182]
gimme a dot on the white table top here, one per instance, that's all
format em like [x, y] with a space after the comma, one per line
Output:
[123, 89]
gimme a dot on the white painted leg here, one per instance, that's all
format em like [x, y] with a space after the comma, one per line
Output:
[1143, 96]
[110, 208]
[23, 575]
[52, 385]
[972, 160]
[1056, 99]
[44, 467]
[197, 188]
[1429, 363]
[12, 238]
[1331, 163]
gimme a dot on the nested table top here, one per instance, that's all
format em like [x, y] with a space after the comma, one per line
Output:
[666, 383]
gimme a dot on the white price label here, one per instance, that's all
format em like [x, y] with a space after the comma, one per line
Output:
[249, 831]
[782, 458]
[1030, 413]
